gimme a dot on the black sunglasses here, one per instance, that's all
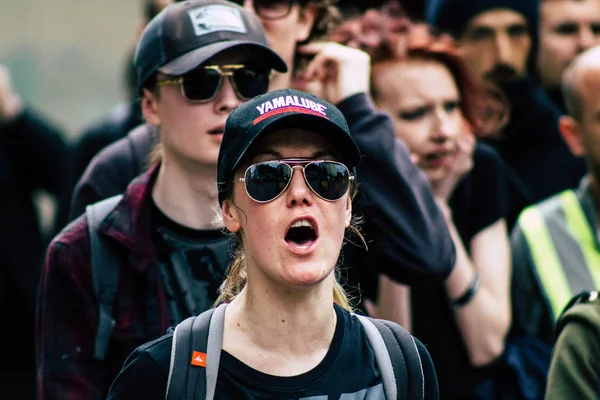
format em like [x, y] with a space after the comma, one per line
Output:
[267, 180]
[203, 83]
[269, 9]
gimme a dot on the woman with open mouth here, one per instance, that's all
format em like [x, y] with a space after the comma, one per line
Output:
[285, 326]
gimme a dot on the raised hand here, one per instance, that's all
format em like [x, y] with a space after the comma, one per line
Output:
[335, 72]
[460, 164]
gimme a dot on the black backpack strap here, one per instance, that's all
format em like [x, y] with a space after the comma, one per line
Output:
[411, 357]
[105, 273]
[202, 334]
[384, 359]
[404, 370]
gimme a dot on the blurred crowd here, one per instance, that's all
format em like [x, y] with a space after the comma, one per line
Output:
[495, 110]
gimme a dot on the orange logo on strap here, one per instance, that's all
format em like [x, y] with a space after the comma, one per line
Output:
[199, 359]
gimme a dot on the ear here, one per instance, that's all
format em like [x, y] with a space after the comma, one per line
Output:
[348, 216]
[150, 107]
[571, 132]
[306, 20]
[231, 216]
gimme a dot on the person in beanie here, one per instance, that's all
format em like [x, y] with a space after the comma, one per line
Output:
[196, 61]
[498, 39]
[286, 182]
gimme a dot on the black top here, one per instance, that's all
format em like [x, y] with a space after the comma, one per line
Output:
[479, 201]
[192, 264]
[348, 370]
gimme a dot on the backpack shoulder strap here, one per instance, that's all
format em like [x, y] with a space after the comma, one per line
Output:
[403, 375]
[105, 273]
[412, 358]
[191, 377]
[383, 358]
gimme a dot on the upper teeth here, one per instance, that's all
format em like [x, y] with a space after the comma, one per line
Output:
[302, 222]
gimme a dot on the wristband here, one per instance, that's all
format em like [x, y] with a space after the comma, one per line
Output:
[467, 296]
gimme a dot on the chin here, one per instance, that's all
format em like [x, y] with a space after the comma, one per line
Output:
[307, 275]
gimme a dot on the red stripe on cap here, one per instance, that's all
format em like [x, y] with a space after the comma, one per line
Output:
[286, 110]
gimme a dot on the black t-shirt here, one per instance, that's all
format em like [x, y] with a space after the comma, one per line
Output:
[192, 264]
[347, 371]
[479, 201]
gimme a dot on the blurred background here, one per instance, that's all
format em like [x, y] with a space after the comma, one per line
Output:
[67, 57]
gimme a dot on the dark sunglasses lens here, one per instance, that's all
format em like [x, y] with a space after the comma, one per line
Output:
[251, 82]
[328, 179]
[272, 9]
[267, 180]
[201, 84]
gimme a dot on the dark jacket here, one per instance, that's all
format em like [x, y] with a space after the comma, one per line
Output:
[33, 157]
[532, 145]
[114, 168]
[68, 308]
[575, 368]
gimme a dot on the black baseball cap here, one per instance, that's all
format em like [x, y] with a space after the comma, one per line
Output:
[274, 111]
[186, 34]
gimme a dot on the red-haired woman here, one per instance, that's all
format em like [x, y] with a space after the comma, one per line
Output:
[419, 79]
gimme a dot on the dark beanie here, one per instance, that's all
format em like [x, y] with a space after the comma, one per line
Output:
[452, 16]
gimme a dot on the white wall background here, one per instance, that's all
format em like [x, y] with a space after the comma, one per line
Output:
[67, 57]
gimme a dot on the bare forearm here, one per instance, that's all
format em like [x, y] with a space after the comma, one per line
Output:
[393, 302]
[485, 319]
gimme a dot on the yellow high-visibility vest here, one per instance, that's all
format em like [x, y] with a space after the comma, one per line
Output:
[563, 247]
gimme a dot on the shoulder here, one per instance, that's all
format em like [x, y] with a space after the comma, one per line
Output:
[582, 309]
[145, 373]
[72, 236]
[158, 350]
[117, 151]
[488, 167]
[546, 208]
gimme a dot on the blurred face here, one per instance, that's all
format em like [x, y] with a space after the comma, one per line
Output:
[423, 99]
[588, 86]
[496, 38]
[294, 240]
[283, 30]
[191, 132]
[567, 28]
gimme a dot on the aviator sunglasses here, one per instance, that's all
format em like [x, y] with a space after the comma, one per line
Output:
[202, 84]
[267, 180]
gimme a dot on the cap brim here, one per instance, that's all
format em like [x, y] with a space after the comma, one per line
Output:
[334, 134]
[194, 58]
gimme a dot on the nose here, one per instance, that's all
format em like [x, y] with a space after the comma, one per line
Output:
[227, 99]
[298, 192]
[586, 39]
[444, 126]
[503, 49]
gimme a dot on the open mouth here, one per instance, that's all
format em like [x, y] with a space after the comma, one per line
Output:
[301, 234]
[438, 157]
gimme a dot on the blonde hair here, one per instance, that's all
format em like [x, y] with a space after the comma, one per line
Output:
[237, 275]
